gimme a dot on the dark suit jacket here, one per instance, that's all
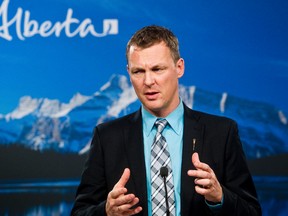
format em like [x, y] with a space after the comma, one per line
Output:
[119, 144]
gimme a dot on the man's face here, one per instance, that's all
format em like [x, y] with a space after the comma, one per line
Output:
[154, 76]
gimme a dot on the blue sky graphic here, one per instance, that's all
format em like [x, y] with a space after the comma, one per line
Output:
[239, 47]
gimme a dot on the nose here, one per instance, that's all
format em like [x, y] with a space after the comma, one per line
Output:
[149, 79]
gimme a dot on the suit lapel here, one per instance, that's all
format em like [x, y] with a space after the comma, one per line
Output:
[134, 145]
[135, 153]
[192, 142]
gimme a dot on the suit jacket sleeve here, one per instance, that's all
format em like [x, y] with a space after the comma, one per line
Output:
[92, 192]
[240, 197]
[113, 148]
[219, 146]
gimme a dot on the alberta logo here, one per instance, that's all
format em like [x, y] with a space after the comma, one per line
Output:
[26, 27]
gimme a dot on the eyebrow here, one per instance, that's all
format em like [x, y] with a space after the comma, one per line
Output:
[136, 68]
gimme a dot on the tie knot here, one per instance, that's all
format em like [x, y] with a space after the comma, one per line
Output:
[160, 124]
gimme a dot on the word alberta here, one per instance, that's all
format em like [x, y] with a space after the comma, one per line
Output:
[71, 27]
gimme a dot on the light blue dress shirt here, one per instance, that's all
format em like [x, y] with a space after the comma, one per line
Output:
[173, 133]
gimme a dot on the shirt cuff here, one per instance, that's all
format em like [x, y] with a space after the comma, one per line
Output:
[215, 206]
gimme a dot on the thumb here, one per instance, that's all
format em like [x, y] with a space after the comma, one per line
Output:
[195, 159]
[124, 179]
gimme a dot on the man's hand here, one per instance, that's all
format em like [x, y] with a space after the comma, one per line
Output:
[119, 203]
[206, 182]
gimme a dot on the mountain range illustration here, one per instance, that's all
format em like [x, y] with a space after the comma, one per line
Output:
[49, 124]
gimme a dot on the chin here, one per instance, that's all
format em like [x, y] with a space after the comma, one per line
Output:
[154, 109]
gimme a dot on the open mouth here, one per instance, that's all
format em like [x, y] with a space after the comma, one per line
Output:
[151, 95]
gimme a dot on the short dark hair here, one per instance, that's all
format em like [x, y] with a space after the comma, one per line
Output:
[151, 35]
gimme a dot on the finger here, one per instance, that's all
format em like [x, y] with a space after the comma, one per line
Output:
[122, 211]
[135, 211]
[195, 159]
[116, 192]
[198, 164]
[202, 190]
[128, 205]
[124, 179]
[129, 199]
[204, 167]
[201, 174]
[204, 183]
[129, 208]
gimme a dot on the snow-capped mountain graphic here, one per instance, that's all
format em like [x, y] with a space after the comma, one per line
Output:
[45, 124]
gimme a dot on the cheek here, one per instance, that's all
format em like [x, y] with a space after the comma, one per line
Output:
[170, 83]
[171, 87]
[136, 84]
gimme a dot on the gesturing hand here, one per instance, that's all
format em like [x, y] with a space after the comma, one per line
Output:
[120, 203]
[206, 182]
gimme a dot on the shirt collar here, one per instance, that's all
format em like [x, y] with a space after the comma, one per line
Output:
[174, 119]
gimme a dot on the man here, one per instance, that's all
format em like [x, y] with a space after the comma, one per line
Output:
[208, 174]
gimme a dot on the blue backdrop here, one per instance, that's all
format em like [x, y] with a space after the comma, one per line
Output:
[63, 70]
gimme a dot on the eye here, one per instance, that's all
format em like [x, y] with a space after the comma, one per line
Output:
[158, 69]
[137, 71]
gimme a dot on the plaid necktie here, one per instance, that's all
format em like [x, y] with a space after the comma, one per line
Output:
[160, 157]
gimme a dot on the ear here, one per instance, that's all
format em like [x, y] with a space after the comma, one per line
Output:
[180, 67]
[127, 68]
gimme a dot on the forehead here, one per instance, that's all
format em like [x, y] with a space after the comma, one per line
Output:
[155, 52]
